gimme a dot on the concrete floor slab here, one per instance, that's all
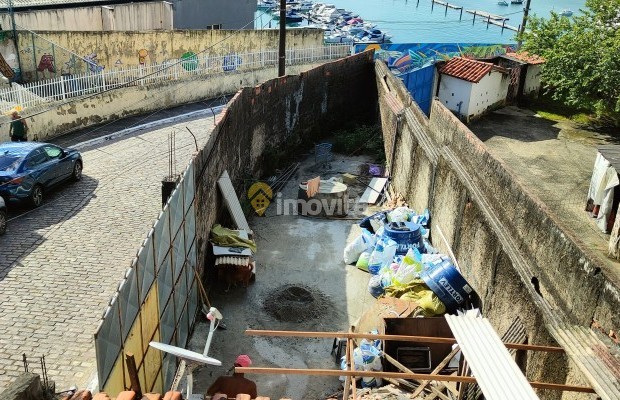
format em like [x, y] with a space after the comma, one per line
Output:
[554, 161]
[293, 250]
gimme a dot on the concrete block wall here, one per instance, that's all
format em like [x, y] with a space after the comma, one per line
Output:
[136, 100]
[501, 234]
[277, 114]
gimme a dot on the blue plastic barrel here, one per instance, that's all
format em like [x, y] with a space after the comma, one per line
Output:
[406, 234]
[447, 283]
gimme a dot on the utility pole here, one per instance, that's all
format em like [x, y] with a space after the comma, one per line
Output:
[19, 63]
[282, 48]
[526, 10]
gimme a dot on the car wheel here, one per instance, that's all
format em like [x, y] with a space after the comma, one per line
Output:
[77, 171]
[36, 196]
[2, 222]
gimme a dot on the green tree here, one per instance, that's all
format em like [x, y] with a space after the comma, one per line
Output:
[582, 55]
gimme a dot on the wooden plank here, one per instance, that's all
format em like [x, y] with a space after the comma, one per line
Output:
[352, 365]
[132, 371]
[398, 375]
[347, 380]
[437, 369]
[402, 338]
[401, 367]
[374, 189]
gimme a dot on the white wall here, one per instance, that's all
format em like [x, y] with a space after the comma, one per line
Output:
[122, 17]
[491, 90]
[452, 91]
[532, 79]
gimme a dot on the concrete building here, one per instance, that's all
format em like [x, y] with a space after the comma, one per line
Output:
[526, 71]
[122, 15]
[470, 87]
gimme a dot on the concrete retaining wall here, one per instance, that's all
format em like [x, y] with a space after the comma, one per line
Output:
[116, 50]
[512, 250]
[136, 100]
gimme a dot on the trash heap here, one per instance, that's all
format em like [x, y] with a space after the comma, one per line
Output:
[394, 248]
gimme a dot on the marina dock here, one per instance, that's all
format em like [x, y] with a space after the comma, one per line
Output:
[492, 19]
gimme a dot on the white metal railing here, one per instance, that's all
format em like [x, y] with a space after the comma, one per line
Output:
[34, 94]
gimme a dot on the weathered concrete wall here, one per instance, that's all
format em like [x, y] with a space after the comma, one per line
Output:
[502, 235]
[197, 14]
[135, 100]
[27, 387]
[116, 50]
[279, 113]
[122, 17]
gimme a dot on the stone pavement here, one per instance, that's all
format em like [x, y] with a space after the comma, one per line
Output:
[61, 263]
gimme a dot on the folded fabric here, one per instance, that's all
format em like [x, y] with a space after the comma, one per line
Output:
[229, 238]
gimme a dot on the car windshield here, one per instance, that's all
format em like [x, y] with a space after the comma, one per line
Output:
[9, 162]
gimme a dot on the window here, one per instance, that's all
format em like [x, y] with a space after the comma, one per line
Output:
[216, 26]
[36, 158]
[53, 151]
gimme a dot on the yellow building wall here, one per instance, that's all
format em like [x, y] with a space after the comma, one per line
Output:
[54, 53]
[148, 360]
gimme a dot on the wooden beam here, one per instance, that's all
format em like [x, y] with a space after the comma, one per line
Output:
[437, 369]
[347, 380]
[132, 371]
[397, 375]
[352, 365]
[400, 338]
[401, 367]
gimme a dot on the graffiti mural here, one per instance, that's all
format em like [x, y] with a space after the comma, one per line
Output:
[93, 63]
[46, 63]
[189, 61]
[142, 55]
[405, 57]
[231, 62]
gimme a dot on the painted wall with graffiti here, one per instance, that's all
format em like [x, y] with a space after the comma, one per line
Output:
[51, 54]
[404, 57]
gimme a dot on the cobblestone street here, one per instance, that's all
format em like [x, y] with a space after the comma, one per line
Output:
[61, 263]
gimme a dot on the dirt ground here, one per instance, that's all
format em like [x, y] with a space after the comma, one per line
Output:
[554, 160]
[301, 284]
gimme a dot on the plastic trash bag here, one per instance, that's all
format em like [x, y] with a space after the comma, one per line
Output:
[375, 288]
[362, 261]
[408, 270]
[400, 214]
[361, 243]
[367, 357]
[417, 291]
[383, 254]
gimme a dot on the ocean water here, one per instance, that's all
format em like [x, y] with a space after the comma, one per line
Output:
[418, 21]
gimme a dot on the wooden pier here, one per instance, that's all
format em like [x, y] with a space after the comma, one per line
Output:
[492, 19]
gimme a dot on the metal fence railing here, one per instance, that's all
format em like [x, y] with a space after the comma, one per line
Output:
[76, 85]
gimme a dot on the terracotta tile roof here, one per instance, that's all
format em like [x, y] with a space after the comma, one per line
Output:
[526, 57]
[468, 69]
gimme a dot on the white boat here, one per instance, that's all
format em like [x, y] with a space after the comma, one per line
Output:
[267, 4]
[502, 3]
[516, 1]
[566, 12]
[339, 38]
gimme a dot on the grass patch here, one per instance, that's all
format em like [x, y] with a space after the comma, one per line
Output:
[366, 139]
[554, 110]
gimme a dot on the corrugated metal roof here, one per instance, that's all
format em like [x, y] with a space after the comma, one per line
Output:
[526, 57]
[592, 357]
[468, 69]
[496, 372]
[611, 152]
[232, 202]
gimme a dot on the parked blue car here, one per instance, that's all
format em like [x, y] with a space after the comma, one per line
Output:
[29, 169]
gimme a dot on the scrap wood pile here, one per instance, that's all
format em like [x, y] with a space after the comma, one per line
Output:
[125, 395]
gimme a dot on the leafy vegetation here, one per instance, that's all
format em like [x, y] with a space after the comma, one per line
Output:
[582, 56]
[360, 140]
